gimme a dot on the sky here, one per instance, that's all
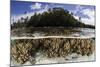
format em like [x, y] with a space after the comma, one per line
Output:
[24, 8]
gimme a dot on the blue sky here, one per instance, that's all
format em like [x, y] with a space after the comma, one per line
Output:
[86, 12]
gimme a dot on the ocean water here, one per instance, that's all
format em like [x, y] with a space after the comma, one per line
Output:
[85, 32]
[40, 59]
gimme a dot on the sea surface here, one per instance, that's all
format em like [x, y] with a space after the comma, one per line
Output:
[83, 32]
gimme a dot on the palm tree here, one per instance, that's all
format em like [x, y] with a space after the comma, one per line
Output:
[79, 18]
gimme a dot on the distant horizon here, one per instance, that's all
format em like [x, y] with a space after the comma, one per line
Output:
[24, 8]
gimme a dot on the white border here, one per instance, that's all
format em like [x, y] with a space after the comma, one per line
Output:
[5, 33]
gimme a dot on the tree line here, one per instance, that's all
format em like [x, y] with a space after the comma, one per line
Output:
[55, 17]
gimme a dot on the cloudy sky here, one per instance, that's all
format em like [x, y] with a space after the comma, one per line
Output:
[19, 8]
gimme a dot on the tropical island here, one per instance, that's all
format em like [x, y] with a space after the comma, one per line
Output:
[51, 34]
[56, 21]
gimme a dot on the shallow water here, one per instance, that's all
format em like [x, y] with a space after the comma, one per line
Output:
[80, 32]
[77, 58]
[40, 59]
[84, 32]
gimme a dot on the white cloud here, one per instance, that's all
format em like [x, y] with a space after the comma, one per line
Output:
[59, 6]
[16, 18]
[91, 16]
[36, 6]
[46, 6]
[85, 11]
[78, 8]
[76, 17]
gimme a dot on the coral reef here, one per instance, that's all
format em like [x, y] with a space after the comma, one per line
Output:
[22, 50]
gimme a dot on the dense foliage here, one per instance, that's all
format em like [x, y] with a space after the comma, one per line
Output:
[56, 17]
